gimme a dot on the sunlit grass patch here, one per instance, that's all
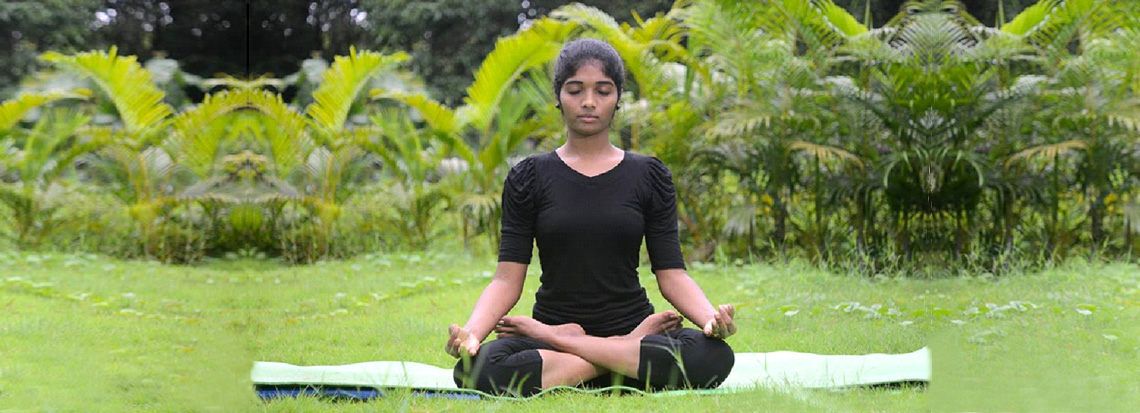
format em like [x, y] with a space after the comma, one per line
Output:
[82, 331]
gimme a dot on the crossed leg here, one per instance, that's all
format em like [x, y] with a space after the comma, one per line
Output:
[578, 357]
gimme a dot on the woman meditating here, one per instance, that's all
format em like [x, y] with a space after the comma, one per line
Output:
[587, 205]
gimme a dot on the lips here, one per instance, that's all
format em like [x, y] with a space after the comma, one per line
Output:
[588, 119]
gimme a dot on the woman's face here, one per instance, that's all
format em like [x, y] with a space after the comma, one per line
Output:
[588, 100]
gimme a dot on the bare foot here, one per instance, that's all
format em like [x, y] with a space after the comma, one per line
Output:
[656, 324]
[521, 325]
[570, 329]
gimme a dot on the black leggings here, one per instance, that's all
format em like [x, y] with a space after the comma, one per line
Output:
[513, 366]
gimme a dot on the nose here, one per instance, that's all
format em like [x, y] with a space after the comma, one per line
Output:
[588, 102]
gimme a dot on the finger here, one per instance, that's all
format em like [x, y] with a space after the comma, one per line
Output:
[730, 320]
[452, 343]
[708, 329]
[453, 347]
[720, 324]
[728, 325]
[729, 313]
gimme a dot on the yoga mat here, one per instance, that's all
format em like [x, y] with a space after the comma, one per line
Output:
[780, 369]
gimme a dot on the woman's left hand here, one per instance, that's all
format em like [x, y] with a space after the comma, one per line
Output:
[721, 326]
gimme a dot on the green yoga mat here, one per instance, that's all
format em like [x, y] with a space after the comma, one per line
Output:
[781, 369]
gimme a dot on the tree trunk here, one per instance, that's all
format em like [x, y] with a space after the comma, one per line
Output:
[1096, 221]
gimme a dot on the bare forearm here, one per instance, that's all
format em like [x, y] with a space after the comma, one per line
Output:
[685, 295]
[497, 299]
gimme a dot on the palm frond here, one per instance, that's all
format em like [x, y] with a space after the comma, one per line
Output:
[47, 148]
[199, 131]
[242, 84]
[1048, 151]
[1030, 18]
[742, 120]
[284, 130]
[480, 206]
[129, 86]
[342, 83]
[820, 25]
[1053, 25]
[512, 56]
[731, 43]
[840, 19]
[329, 170]
[12, 110]
[825, 153]
[438, 117]
[740, 220]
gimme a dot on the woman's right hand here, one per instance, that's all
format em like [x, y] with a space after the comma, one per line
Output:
[461, 341]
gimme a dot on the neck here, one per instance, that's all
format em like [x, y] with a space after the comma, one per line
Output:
[588, 146]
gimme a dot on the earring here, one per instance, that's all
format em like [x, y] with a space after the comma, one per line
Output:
[616, 107]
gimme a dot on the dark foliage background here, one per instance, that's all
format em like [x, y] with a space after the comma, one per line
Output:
[446, 38]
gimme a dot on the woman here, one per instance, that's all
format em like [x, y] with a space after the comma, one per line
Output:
[587, 206]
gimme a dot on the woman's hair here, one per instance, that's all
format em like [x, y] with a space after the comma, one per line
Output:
[579, 52]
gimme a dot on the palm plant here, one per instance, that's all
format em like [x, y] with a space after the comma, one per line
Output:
[31, 164]
[766, 94]
[34, 160]
[931, 84]
[1090, 99]
[130, 147]
[413, 190]
[489, 127]
[294, 169]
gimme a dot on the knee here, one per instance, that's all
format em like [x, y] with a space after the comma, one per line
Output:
[708, 363]
[497, 372]
[685, 358]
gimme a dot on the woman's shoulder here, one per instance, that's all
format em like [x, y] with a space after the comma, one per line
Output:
[652, 166]
[524, 173]
[527, 164]
[532, 161]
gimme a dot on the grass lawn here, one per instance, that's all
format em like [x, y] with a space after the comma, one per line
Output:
[87, 333]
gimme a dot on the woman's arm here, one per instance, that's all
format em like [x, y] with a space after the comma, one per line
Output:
[685, 295]
[497, 299]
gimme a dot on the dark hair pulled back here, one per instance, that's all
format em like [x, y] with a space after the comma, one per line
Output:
[579, 52]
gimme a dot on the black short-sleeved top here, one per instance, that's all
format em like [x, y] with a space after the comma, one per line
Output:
[589, 231]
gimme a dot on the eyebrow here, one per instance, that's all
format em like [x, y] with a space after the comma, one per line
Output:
[579, 82]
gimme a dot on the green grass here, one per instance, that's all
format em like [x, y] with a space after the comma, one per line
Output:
[86, 333]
